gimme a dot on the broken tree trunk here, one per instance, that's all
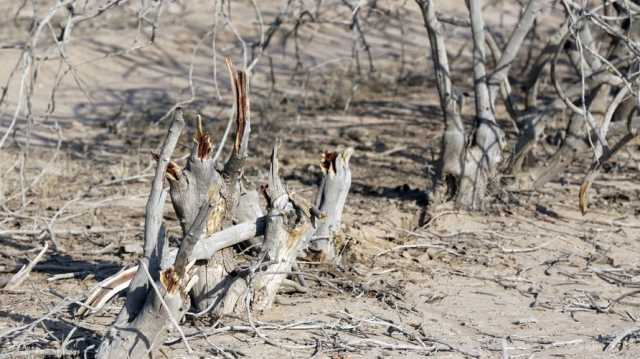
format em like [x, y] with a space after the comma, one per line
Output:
[116, 340]
[164, 306]
[199, 185]
[330, 201]
[288, 229]
[207, 291]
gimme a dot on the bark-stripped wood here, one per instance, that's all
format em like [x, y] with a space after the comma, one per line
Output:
[153, 241]
[288, 230]
[225, 194]
[164, 305]
[330, 201]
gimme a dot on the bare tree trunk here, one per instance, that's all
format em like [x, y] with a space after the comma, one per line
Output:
[466, 171]
[116, 339]
[224, 193]
[484, 155]
[288, 231]
[165, 304]
[330, 201]
[453, 141]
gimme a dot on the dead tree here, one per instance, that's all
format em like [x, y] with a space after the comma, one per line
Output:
[464, 170]
[206, 199]
[135, 329]
[466, 165]
[596, 117]
[330, 201]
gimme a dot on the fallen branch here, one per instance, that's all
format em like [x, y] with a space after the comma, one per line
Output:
[617, 340]
[24, 272]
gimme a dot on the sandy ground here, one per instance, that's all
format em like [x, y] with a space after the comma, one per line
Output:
[530, 277]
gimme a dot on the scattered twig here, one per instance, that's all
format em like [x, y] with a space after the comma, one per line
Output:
[22, 275]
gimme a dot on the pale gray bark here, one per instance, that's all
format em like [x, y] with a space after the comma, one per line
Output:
[165, 305]
[153, 236]
[225, 198]
[197, 187]
[453, 142]
[482, 157]
[330, 201]
[288, 230]
[204, 249]
[248, 209]
[531, 11]
[467, 169]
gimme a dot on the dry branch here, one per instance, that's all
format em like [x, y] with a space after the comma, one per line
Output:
[203, 249]
[594, 170]
[153, 222]
[119, 340]
[17, 279]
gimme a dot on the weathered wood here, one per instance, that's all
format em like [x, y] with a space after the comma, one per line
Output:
[330, 200]
[204, 249]
[153, 219]
[288, 230]
[164, 305]
[218, 268]
[453, 141]
[466, 170]
[153, 241]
